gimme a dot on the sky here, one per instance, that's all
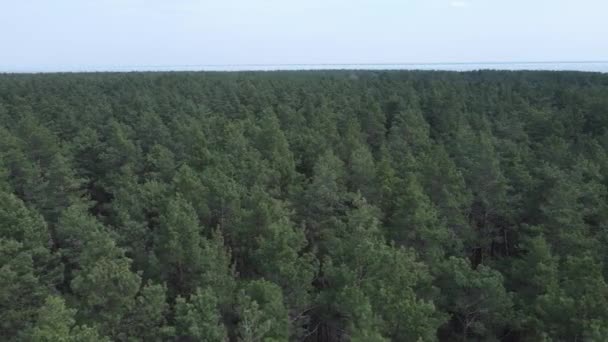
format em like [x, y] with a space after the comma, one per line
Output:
[64, 35]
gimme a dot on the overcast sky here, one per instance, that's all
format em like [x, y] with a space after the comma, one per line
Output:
[104, 34]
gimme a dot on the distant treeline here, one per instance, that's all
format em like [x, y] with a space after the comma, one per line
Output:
[304, 206]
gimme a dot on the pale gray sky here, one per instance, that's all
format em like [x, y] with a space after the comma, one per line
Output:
[104, 34]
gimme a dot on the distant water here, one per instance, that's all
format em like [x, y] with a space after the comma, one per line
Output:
[599, 66]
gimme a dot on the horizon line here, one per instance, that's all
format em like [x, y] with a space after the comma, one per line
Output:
[176, 67]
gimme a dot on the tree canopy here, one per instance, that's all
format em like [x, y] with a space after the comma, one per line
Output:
[304, 206]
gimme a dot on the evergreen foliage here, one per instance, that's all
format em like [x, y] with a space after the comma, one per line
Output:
[304, 206]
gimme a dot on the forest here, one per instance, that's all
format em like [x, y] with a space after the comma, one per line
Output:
[325, 206]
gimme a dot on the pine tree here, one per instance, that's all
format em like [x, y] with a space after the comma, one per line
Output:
[178, 247]
[476, 299]
[415, 222]
[55, 322]
[198, 318]
[98, 273]
[262, 315]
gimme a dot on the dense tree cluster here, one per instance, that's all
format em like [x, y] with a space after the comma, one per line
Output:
[304, 206]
